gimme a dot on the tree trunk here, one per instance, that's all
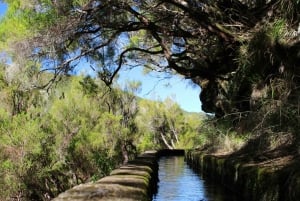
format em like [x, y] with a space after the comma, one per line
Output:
[124, 153]
[165, 141]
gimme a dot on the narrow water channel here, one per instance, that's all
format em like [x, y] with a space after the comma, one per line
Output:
[178, 182]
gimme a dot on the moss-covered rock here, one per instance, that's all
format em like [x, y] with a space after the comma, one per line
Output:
[273, 179]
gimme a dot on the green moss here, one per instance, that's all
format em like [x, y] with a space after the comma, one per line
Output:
[220, 165]
[253, 181]
[260, 173]
[144, 174]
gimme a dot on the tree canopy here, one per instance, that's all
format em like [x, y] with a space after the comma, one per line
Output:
[244, 54]
[201, 40]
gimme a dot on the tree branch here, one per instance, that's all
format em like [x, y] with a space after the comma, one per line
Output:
[202, 19]
[109, 82]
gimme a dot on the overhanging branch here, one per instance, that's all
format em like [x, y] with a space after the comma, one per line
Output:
[121, 57]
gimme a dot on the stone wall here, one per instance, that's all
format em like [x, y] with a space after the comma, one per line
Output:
[251, 181]
[137, 180]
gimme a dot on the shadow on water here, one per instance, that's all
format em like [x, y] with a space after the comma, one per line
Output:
[178, 182]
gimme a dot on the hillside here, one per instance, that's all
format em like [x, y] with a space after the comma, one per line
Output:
[78, 131]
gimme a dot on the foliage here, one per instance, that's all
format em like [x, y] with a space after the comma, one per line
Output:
[191, 135]
[232, 49]
[220, 138]
[165, 124]
[199, 40]
[243, 54]
[75, 132]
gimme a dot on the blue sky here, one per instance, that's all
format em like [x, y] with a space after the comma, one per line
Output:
[2, 8]
[155, 87]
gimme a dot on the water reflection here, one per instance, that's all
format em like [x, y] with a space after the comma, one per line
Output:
[178, 182]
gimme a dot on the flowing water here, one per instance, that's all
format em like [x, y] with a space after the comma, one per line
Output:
[178, 182]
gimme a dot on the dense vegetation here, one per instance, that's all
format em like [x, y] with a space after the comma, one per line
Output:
[232, 49]
[77, 131]
[244, 54]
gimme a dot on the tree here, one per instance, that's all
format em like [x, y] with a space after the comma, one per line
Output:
[201, 40]
[165, 125]
[63, 139]
[123, 104]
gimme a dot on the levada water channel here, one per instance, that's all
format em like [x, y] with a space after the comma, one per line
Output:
[178, 182]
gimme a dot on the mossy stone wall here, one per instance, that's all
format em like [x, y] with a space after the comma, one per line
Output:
[137, 180]
[251, 181]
